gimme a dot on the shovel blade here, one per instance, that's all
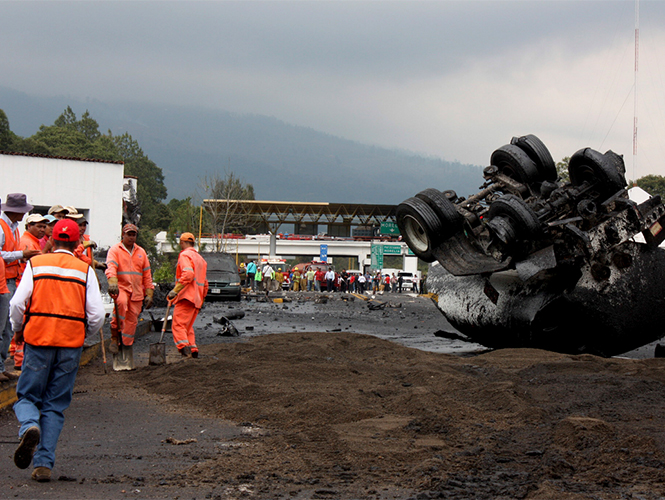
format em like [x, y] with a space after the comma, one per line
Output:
[157, 354]
[124, 359]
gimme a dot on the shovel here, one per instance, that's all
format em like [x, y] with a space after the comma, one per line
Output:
[158, 350]
[124, 360]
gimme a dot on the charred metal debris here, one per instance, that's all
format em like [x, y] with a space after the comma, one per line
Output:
[530, 248]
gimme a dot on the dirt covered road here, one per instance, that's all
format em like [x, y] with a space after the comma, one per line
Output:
[341, 415]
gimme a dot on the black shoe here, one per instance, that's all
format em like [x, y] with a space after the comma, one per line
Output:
[185, 352]
[195, 354]
[26, 449]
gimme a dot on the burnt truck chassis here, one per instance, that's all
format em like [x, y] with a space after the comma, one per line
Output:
[533, 261]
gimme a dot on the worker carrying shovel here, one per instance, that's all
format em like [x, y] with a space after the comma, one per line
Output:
[188, 295]
[130, 286]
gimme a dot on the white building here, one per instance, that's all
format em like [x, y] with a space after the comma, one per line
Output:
[93, 187]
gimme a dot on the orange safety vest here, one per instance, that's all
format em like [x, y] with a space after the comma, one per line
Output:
[56, 316]
[28, 242]
[3, 280]
[191, 272]
[12, 269]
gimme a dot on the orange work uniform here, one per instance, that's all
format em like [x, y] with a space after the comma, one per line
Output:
[56, 314]
[134, 277]
[12, 269]
[27, 242]
[191, 272]
[3, 280]
[85, 254]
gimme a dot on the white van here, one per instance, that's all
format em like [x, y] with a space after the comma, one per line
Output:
[408, 279]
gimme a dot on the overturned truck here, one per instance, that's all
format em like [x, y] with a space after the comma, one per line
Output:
[533, 261]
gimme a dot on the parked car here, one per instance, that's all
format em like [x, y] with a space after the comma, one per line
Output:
[223, 277]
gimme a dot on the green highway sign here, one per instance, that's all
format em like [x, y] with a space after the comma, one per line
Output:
[389, 227]
[377, 257]
[392, 249]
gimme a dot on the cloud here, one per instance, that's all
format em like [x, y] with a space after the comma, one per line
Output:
[454, 79]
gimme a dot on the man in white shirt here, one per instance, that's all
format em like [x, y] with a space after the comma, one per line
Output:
[330, 280]
[57, 301]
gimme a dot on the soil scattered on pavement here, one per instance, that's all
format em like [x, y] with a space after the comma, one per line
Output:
[342, 415]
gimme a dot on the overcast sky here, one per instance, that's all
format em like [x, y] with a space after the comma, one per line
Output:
[451, 79]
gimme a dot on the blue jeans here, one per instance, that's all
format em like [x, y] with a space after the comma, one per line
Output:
[6, 332]
[44, 392]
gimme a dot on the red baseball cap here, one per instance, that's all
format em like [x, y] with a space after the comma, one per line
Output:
[66, 230]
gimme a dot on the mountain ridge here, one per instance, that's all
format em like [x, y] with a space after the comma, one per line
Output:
[284, 162]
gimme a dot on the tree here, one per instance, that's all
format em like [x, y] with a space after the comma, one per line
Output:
[151, 189]
[227, 215]
[184, 216]
[653, 184]
[63, 141]
[562, 169]
[88, 127]
[6, 135]
[66, 119]
[71, 137]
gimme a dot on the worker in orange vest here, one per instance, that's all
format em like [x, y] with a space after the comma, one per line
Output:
[12, 213]
[57, 301]
[35, 228]
[130, 285]
[188, 295]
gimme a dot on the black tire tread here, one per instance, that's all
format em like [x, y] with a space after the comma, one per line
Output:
[538, 152]
[513, 207]
[588, 165]
[430, 222]
[511, 157]
[451, 220]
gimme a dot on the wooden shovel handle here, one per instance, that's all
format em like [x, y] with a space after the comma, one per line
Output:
[166, 318]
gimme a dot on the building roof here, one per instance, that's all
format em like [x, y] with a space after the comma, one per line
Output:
[37, 155]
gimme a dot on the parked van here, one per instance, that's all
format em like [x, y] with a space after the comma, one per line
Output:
[408, 279]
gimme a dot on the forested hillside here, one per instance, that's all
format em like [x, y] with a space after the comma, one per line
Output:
[281, 161]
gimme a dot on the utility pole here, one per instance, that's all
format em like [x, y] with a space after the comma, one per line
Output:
[637, 54]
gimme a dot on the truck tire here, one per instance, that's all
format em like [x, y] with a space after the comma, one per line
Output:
[451, 220]
[516, 164]
[538, 152]
[420, 227]
[588, 165]
[522, 219]
[450, 194]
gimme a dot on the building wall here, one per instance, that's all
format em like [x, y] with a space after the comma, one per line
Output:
[94, 188]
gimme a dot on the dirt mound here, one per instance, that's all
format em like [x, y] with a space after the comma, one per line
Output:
[340, 415]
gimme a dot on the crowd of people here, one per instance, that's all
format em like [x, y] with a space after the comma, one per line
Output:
[50, 299]
[259, 277]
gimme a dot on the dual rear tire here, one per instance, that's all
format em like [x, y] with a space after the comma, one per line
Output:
[427, 220]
